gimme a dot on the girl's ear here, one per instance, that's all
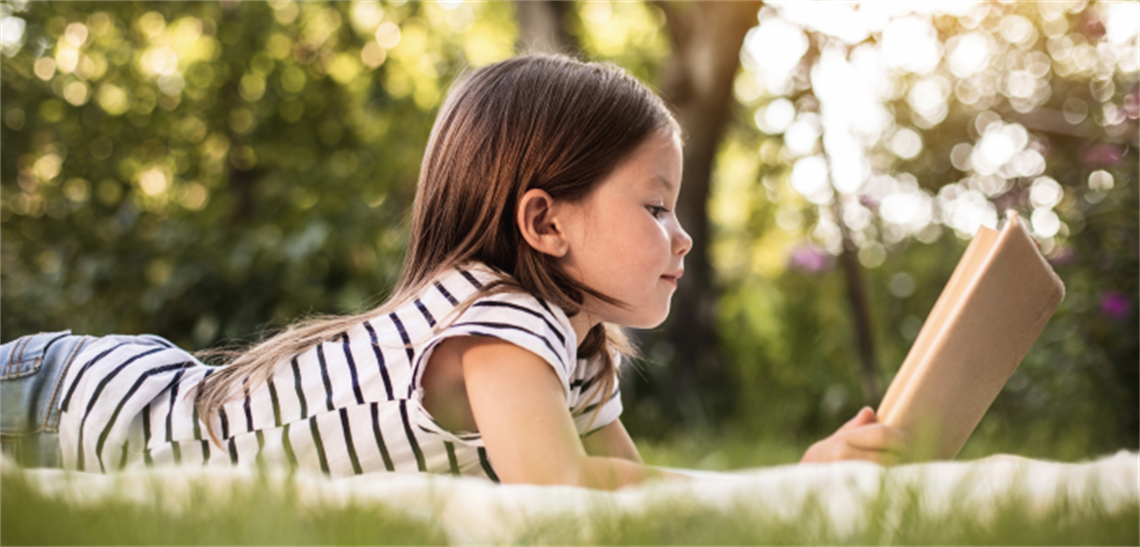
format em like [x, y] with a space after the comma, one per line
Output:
[540, 224]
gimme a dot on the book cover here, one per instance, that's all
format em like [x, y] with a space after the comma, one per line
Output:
[997, 302]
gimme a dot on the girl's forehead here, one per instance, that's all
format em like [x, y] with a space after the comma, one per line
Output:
[655, 165]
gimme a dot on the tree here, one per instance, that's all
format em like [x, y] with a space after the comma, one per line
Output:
[904, 128]
[698, 83]
[205, 171]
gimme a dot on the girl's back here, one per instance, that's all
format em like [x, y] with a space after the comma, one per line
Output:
[350, 405]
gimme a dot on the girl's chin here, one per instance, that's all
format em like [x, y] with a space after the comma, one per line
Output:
[648, 322]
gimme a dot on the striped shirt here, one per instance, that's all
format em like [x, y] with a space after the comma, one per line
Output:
[350, 405]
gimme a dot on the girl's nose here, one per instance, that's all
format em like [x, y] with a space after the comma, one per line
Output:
[682, 243]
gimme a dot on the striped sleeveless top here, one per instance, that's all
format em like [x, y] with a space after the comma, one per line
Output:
[348, 406]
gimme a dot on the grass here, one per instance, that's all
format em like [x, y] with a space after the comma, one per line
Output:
[258, 514]
[889, 523]
[265, 513]
[254, 515]
[740, 448]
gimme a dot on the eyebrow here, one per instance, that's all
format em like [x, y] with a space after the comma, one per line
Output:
[660, 181]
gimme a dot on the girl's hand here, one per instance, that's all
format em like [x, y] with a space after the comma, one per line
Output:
[861, 438]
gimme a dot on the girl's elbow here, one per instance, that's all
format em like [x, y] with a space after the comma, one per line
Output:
[571, 474]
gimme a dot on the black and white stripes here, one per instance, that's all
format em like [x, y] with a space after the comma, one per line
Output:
[350, 405]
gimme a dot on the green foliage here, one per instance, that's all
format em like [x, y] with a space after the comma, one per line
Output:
[205, 170]
[784, 318]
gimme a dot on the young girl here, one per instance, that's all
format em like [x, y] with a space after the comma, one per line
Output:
[543, 221]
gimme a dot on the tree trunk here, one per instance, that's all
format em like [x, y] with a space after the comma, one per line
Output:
[706, 39]
[853, 276]
[860, 312]
[541, 28]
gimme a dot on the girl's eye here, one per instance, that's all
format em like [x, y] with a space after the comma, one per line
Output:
[656, 210]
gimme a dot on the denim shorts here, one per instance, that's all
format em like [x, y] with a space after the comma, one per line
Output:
[32, 369]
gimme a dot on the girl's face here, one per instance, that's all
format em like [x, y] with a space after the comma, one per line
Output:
[624, 238]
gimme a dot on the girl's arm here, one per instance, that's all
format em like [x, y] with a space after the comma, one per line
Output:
[520, 410]
[612, 441]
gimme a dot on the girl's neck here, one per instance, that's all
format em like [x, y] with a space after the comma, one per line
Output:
[582, 322]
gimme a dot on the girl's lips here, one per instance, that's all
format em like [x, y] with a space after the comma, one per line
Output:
[672, 278]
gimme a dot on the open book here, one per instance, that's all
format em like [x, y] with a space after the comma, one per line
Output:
[997, 302]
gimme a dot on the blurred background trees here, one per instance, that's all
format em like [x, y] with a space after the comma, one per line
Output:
[208, 171]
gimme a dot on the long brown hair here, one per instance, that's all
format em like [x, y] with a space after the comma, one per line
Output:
[534, 121]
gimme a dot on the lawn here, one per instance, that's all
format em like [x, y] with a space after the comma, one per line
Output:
[1028, 502]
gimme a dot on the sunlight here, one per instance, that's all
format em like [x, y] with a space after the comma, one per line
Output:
[366, 16]
[1121, 21]
[774, 50]
[1045, 223]
[801, 135]
[997, 146]
[776, 117]
[1101, 181]
[928, 97]
[912, 209]
[1027, 163]
[1018, 30]
[906, 143]
[388, 35]
[969, 53]
[1045, 193]
[809, 178]
[11, 34]
[838, 19]
[849, 168]
[853, 22]
[911, 43]
[965, 210]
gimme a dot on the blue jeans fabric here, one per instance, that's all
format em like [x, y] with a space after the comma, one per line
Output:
[32, 369]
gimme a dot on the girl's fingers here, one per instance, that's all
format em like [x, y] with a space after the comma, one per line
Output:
[863, 417]
[876, 437]
[860, 439]
[838, 450]
[876, 456]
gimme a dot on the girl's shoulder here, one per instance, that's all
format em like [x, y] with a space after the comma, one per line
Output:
[478, 291]
[474, 300]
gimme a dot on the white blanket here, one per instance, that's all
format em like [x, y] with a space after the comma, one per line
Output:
[474, 511]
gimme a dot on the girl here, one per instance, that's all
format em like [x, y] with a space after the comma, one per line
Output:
[543, 221]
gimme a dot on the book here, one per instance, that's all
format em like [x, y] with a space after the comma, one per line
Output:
[997, 302]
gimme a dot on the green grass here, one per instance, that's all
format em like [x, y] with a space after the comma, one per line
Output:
[258, 513]
[891, 522]
[739, 448]
[254, 515]
[268, 512]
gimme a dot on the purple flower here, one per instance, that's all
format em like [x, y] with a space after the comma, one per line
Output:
[869, 202]
[810, 259]
[1132, 105]
[1062, 256]
[1115, 305]
[1094, 27]
[1105, 155]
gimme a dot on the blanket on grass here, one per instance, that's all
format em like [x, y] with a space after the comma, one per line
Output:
[840, 502]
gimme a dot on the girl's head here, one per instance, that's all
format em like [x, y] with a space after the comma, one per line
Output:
[543, 132]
